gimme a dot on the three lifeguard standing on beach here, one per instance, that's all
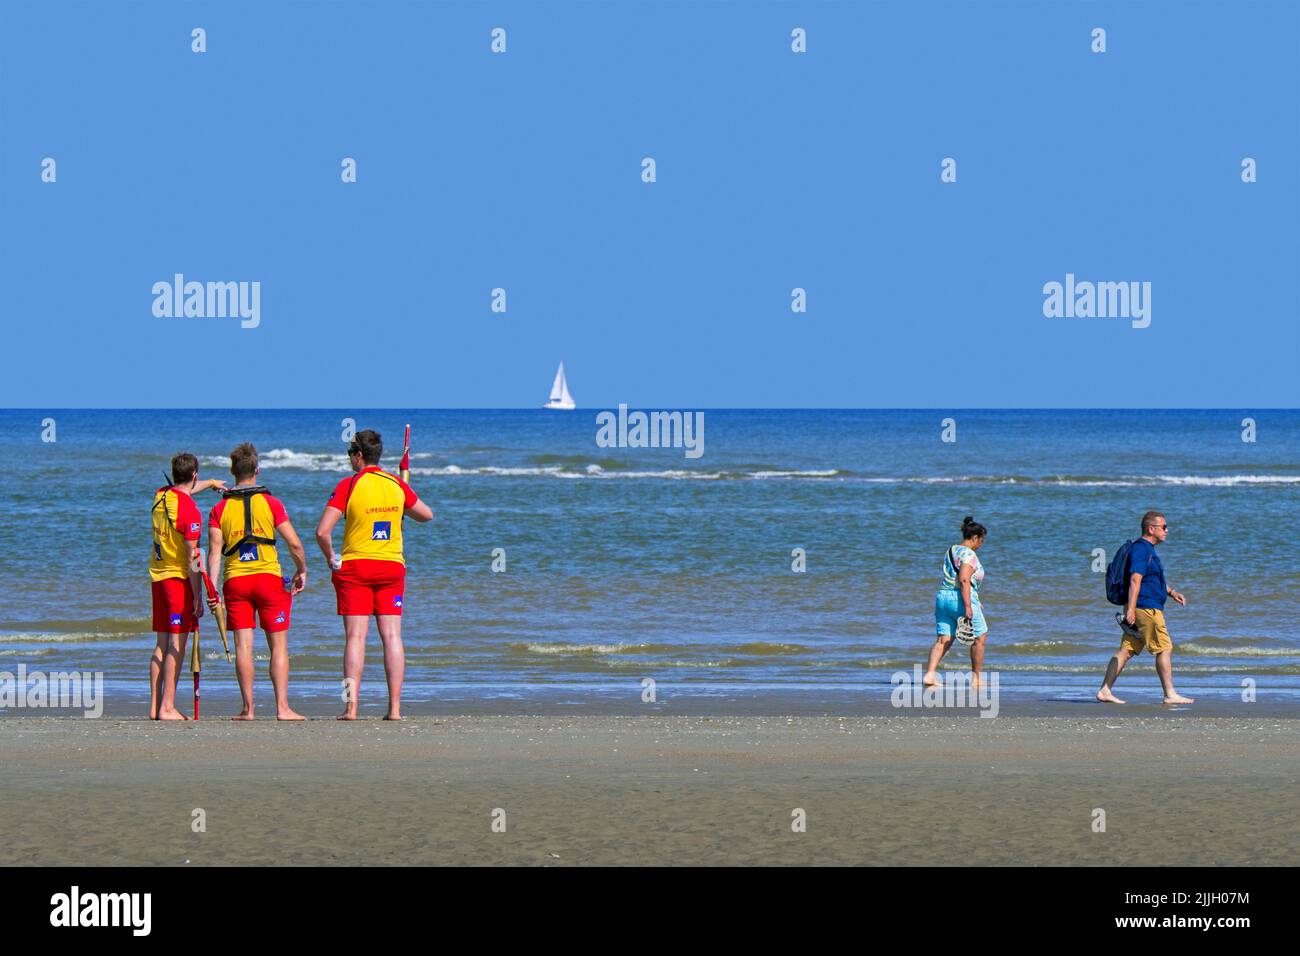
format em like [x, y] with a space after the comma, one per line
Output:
[368, 577]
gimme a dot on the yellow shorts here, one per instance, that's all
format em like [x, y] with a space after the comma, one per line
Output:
[1152, 633]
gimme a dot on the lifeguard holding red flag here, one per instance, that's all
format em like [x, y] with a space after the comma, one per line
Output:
[370, 576]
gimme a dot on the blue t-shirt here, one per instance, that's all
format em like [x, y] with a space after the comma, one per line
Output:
[1143, 560]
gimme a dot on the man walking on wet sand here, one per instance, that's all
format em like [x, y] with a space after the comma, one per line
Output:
[1143, 620]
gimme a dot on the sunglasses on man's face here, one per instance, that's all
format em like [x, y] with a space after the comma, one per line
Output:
[1162, 527]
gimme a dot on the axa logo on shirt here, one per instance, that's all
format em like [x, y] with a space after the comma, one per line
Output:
[248, 552]
[157, 551]
[279, 618]
[194, 526]
[176, 620]
[397, 601]
[383, 531]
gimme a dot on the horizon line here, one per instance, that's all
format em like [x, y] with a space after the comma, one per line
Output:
[645, 407]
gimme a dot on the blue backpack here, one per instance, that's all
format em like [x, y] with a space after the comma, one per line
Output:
[1117, 575]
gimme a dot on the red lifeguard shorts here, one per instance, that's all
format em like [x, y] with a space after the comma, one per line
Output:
[366, 586]
[263, 594]
[173, 606]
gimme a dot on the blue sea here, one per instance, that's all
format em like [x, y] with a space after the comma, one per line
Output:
[627, 564]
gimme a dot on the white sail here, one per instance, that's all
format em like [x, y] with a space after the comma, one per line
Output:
[560, 397]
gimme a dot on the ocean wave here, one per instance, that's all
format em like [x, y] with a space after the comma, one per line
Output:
[577, 461]
[722, 663]
[577, 649]
[457, 470]
[81, 637]
[1198, 647]
[764, 649]
[542, 466]
[220, 655]
[1228, 481]
[597, 471]
[825, 473]
[1049, 648]
[640, 650]
[278, 458]
[642, 667]
[1043, 667]
[1212, 647]
[571, 467]
[1087, 481]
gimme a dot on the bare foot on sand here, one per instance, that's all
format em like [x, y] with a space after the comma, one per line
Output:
[391, 716]
[172, 714]
[1106, 697]
[929, 680]
[1179, 699]
[243, 715]
[347, 715]
[288, 714]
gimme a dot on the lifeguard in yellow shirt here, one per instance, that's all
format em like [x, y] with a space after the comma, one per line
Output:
[174, 571]
[370, 577]
[242, 531]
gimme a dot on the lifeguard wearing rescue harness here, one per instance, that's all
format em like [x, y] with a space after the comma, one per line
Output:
[247, 493]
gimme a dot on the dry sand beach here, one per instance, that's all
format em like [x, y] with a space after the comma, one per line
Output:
[652, 790]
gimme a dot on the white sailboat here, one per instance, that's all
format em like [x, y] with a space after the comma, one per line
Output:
[560, 397]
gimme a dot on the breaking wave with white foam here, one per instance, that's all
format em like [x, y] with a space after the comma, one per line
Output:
[288, 458]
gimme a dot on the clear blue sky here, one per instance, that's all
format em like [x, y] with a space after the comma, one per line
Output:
[775, 170]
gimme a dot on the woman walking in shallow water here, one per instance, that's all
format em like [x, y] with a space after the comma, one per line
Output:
[957, 610]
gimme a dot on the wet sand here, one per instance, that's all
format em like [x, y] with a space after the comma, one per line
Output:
[888, 790]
